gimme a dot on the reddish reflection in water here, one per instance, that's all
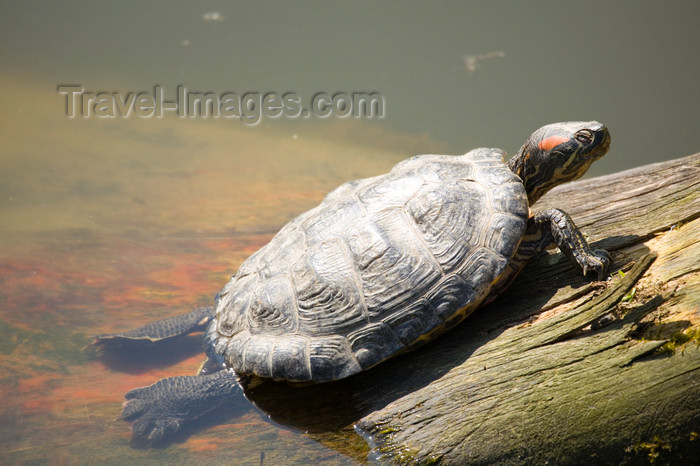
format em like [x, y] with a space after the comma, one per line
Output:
[109, 225]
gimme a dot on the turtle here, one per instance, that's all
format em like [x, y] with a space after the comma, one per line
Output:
[381, 266]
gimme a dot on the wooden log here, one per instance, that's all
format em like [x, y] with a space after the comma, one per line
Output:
[551, 389]
[560, 369]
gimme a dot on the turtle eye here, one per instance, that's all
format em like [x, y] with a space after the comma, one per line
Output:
[584, 136]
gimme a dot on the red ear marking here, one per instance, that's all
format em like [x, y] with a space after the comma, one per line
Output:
[552, 141]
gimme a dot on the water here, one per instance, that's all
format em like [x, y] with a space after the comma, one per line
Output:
[110, 223]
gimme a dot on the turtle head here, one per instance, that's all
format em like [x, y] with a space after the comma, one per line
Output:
[558, 153]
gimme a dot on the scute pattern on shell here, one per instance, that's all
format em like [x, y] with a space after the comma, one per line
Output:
[382, 264]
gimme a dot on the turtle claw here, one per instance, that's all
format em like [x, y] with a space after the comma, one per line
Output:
[154, 432]
[149, 414]
[598, 261]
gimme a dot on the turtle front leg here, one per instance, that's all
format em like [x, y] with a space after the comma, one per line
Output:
[554, 227]
[546, 229]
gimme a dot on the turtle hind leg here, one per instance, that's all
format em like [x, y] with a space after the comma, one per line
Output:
[160, 410]
[160, 330]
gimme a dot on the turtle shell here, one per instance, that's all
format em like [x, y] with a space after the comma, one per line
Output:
[380, 266]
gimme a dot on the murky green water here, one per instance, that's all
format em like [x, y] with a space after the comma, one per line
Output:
[108, 223]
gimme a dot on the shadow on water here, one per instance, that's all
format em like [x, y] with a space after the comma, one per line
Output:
[138, 357]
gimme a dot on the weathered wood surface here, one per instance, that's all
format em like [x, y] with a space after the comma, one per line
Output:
[528, 379]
